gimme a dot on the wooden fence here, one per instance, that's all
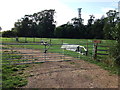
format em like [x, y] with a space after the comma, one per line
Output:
[96, 50]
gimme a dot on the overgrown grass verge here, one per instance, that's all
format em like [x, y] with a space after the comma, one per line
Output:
[113, 69]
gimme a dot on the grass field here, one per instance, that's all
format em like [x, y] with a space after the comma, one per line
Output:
[12, 75]
[58, 42]
[34, 43]
[56, 45]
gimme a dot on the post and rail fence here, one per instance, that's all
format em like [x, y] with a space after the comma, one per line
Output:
[96, 49]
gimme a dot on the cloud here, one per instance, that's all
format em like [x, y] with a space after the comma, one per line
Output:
[64, 14]
[12, 10]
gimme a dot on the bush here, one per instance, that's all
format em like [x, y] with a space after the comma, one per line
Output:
[114, 52]
[8, 34]
[117, 61]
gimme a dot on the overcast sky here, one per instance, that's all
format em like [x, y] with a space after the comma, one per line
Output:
[12, 10]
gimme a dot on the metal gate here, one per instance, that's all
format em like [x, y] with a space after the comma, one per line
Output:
[21, 53]
[27, 53]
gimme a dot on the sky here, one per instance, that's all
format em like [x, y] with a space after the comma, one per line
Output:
[12, 10]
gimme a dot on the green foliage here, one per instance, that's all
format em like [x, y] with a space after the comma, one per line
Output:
[98, 27]
[112, 31]
[42, 24]
[90, 21]
[10, 76]
[59, 32]
[103, 61]
[70, 31]
[110, 24]
[8, 34]
[115, 53]
[78, 30]
[39, 24]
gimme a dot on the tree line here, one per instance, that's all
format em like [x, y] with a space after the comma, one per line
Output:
[43, 25]
[39, 24]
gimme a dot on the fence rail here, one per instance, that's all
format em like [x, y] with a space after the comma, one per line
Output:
[54, 53]
[102, 54]
[102, 51]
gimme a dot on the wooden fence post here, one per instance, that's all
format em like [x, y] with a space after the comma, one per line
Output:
[95, 51]
[95, 48]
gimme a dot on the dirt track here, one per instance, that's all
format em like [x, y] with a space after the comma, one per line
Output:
[68, 74]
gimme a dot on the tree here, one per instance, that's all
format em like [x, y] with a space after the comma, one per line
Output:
[8, 34]
[45, 22]
[89, 27]
[110, 24]
[97, 29]
[79, 28]
[112, 29]
[90, 21]
[58, 33]
[39, 24]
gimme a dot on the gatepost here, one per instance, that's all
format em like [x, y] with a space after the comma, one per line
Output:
[96, 42]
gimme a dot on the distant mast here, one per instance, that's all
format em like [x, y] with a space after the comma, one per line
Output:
[79, 16]
[79, 13]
